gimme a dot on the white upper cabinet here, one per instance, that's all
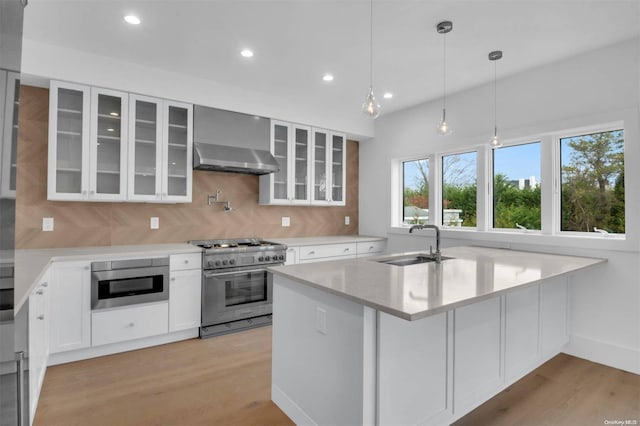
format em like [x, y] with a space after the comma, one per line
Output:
[10, 146]
[290, 145]
[329, 172]
[177, 154]
[68, 174]
[106, 145]
[312, 167]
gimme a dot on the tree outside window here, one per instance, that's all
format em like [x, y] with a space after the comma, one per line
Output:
[459, 189]
[415, 200]
[516, 186]
[592, 184]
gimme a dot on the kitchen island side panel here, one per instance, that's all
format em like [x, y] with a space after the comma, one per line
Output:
[319, 364]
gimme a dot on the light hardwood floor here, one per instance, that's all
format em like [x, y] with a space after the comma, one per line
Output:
[226, 381]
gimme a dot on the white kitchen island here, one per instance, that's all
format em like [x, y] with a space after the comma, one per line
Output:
[363, 342]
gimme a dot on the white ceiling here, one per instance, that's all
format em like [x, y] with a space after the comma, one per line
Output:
[297, 41]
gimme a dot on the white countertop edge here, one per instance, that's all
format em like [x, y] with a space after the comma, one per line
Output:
[25, 280]
[430, 311]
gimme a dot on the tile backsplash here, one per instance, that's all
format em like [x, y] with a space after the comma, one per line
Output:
[80, 224]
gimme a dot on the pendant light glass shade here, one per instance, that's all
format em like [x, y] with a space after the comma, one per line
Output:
[495, 140]
[370, 107]
[443, 128]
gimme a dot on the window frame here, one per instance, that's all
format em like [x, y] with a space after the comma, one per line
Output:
[550, 198]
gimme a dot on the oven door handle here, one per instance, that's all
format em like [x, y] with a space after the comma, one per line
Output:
[222, 274]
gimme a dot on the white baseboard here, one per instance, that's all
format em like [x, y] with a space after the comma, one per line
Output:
[289, 407]
[114, 348]
[620, 357]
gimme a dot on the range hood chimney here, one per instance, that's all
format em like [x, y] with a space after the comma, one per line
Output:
[231, 142]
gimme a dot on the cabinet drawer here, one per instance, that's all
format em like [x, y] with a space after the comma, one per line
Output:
[118, 325]
[370, 247]
[181, 262]
[327, 250]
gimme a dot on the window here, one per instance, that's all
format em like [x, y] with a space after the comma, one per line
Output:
[516, 186]
[459, 189]
[415, 191]
[592, 182]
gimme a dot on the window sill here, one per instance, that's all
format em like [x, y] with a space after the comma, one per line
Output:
[505, 238]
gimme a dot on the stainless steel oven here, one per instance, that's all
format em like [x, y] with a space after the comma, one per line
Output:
[128, 282]
[236, 294]
[237, 290]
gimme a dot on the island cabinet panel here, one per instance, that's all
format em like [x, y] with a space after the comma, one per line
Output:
[522, 331]
[408, 396]
[318, 350]
[477, 342]
[553, 316]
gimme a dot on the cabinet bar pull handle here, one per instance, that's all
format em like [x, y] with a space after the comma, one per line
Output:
[40, 317]
[44, 284]
[40, 292]
[20, 386]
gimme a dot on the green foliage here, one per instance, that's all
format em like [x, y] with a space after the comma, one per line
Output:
[463, 197]
[515, 206]
[593, 183]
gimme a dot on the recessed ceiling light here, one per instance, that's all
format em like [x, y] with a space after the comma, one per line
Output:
[327, 77]
[246, 53]
[132, 19]
[388, 95]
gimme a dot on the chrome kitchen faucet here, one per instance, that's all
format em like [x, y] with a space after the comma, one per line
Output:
[437, 256]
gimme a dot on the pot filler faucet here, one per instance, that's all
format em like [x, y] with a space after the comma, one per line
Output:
[437, 256]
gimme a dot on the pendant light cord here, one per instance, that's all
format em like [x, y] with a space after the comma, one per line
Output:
[495, 98]
[371, 44]
[444, 73]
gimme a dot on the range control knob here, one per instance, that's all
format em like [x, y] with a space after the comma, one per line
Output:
[267, 258]
[281, 257]
[260, 259]
[217, 263]
[232, 262]
[224, 262]
[210, 263]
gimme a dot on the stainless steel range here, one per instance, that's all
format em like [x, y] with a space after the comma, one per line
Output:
[237, 290]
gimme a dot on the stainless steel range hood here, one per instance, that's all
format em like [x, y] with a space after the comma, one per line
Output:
[231, 142]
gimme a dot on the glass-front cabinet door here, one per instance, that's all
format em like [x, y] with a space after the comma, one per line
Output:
[338, 169]
[108, 146]
[280, 148]
[10, 137]
[301, 164]
[178, 151]
[329, 171]
[320, 154]
[145, 149]
[68, 172]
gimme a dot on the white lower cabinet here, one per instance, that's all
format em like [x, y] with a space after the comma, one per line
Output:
[128, 323]
[70, 306]
[324, 252]
[38, 340]
[185, 292]
[370, 248]
[293, 254]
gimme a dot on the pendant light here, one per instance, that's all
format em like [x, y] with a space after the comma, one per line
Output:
[495, 141]
[444, 27]
[370, 107]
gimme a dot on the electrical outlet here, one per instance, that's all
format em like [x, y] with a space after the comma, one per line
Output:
[347, 220]
[154, 223]
[321, 320]
[47, 224]
[286, 221]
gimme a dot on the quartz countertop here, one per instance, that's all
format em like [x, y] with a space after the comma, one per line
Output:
[416, 291]
[314, 241]
[31, 264]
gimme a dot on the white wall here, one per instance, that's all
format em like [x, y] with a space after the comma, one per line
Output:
[594, 88]
[59, 63]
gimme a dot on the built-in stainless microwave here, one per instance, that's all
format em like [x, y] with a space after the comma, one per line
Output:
[129, 282]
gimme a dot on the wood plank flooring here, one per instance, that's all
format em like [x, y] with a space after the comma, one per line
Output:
[226, 381]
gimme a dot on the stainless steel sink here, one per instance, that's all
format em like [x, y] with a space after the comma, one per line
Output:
[410, 260]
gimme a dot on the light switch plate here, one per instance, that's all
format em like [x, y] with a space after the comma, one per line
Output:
[154, 223]
[347, 220]
[47, 224]
[286, 221]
